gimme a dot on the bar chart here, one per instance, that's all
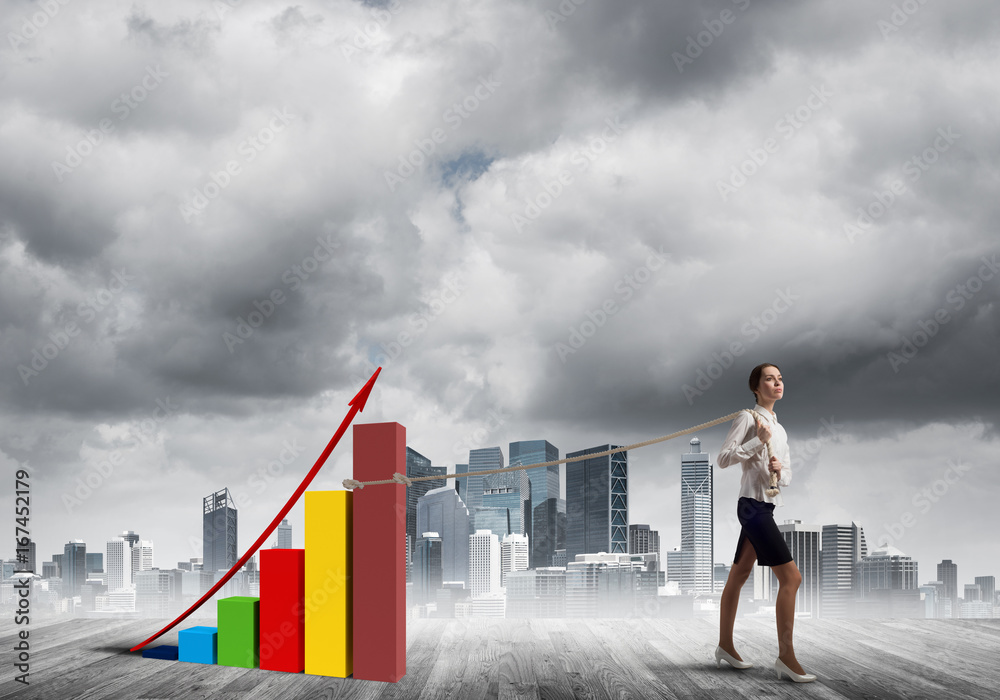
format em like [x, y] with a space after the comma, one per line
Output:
[336, 607]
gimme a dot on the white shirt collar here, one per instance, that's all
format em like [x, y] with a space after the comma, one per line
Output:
[764, 412]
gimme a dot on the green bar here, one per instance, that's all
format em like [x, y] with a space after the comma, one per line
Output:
[239, 631]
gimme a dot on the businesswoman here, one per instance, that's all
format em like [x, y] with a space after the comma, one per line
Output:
[760, 538]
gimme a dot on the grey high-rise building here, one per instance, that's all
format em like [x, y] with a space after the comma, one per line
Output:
[95, 562]
[460, 486]
[642, 540]
[483, 459]
[441, 510]
[544, 481]
[841, 550]
[284, 535]
[988, 587]
[947, 573]
[886, 568]
[30, 561]
[417, 465]
[131, 539]
[219, 531]
[804, 544]
[548, 531]
[427, 570]
[507, 491]
[74, 567]
[597, 502]
[697, 521]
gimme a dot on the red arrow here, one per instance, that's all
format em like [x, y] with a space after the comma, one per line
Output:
[357, 404]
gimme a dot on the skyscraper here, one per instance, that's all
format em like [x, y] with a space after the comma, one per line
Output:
[460, 486]
[642, 540]
[219, 527]
[441, 510]
[118, 564]
[548, 531]
[284, 534]
[130, 537]
[697, 521]
[803, 542]
[427, 571]
[142, 557]
[947, 573]
[482, 459]
[843, 547]
[504, 492]
[416, 466]
[543, 482]
[484, 563]
[74, 567]
[597, 502]
[513, 555]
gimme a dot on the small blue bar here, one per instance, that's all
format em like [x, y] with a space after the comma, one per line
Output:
[164, 651]
[199, 645]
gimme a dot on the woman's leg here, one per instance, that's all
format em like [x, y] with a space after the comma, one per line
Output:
[738, 574]
[789, 579]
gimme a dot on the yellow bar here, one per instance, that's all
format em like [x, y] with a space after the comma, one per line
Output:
[328, 600]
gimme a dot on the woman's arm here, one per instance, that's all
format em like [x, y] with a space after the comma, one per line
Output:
[732, 450]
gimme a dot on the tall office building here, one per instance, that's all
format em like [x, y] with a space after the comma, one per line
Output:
[417, 466]
[513, 555]
[697, 522]
[507, 491]
[219, 528]
[74, 567]
[441, 510]
[154, 589]
[142, 556]
[484, 563]
[642, 540]
[118, 564]
[483, 459]
[95, 562]
[988, 587]
[427, 570]
[284, 538]
[947, 572]
[842, 548]
[548, 531]
[461, 487]
[804, 543]
[886, 568]
[543, 482]
[29, 562]
[130, 537]
[597, 502]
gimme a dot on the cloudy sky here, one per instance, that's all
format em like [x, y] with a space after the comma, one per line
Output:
[581, 221]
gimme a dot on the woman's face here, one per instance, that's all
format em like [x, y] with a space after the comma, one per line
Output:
[771, 386]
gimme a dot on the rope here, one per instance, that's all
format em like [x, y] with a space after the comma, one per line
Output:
[398, 478]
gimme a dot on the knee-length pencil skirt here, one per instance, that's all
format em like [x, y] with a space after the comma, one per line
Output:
[757, 519]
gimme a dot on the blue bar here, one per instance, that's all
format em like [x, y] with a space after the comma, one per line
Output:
[164, 651]
[199, 645]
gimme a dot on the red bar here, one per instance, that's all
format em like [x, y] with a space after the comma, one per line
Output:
[282, 610]
[379, 554]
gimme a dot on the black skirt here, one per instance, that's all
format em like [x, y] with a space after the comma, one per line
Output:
[757, 519]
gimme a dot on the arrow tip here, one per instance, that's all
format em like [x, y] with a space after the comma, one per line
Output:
[362, 396]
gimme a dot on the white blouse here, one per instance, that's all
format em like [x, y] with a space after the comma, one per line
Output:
[752, 454]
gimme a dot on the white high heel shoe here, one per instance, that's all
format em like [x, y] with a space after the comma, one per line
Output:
[779, 667]
[721, 653]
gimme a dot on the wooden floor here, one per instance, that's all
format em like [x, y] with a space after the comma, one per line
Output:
[565, 658]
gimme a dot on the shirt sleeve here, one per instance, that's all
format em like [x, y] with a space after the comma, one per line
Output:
[732, 451]
[786, 466]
